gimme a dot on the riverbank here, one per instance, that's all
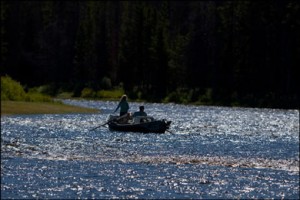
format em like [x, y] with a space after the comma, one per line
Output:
[21, 107]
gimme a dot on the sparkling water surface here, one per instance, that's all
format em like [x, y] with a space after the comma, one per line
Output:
[209, 152]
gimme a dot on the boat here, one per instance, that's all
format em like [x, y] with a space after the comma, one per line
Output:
[143, 124]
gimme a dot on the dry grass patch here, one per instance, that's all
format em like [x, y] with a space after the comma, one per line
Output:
[20, 107]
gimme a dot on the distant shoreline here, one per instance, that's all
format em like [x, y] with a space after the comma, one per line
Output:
[22, 107]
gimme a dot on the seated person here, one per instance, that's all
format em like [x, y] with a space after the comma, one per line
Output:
[140, 113]
[124, 118]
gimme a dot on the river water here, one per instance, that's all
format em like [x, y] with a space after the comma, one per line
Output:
[209, 152]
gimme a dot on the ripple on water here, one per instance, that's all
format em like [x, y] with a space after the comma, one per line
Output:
[213, 152]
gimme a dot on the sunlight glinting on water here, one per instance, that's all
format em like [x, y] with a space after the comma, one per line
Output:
[218, 141]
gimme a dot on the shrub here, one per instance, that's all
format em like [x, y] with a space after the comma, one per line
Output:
[206, 98]
[47, 89]
[110, 94]
[65, 95]
[87, 93]
[37, 97]
[180, 95]
[11, 89]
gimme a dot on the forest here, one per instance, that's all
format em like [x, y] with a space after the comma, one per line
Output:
[229, 53]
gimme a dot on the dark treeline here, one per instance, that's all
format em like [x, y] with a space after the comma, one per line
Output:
[212, 52]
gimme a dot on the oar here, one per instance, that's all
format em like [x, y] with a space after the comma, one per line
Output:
[109, 121]
[101, 125]
[169, 131]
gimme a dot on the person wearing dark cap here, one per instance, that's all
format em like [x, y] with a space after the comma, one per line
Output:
[140, 113]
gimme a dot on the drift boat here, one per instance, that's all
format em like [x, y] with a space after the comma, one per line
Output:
[143, 124]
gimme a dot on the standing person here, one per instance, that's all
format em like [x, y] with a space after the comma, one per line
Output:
[140, 113]
[123, 105]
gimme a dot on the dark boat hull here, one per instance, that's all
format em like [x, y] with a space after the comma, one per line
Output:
[159, 126]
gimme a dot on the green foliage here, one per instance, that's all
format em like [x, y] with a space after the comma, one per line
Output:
[11, 90]
[65, 95]
[180, 95]
[114, 94]
[110, 94]
[195, 96]
[44, 89]
[160, 50]
[88, 93]
[37, 97]
[206, 98]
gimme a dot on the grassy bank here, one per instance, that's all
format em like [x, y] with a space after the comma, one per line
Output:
[20, 107]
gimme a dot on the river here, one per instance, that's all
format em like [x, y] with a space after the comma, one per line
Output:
[209, 152]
